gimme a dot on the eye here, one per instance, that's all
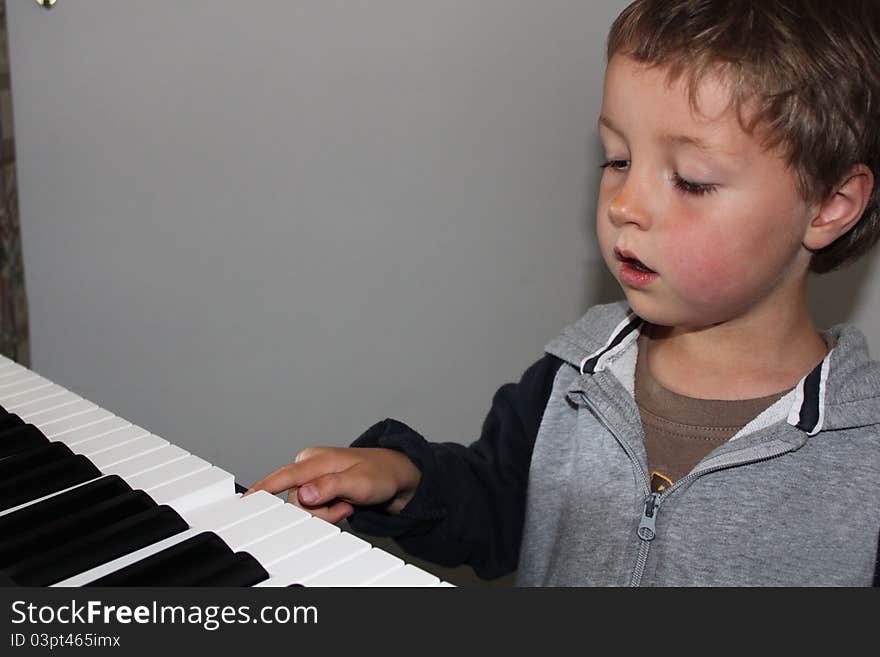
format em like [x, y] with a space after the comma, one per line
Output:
[694, 189]
[617, 165]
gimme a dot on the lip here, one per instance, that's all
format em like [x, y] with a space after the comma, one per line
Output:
[624, 255]
[629, 274]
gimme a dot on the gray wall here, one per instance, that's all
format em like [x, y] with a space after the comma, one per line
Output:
[251, 227]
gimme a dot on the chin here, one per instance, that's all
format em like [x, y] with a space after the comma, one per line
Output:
[659, 313]
[642, 306]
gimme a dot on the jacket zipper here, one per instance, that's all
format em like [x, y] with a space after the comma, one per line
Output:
[647, 523]
[647, 530]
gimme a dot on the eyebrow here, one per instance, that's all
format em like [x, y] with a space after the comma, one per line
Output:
[684, 140]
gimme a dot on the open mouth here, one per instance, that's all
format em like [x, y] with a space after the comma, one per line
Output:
[629, 259]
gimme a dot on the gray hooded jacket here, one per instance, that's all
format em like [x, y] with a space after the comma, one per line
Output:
[793, 499]
[557, 485]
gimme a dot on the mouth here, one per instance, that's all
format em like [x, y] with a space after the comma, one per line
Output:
[629, 258]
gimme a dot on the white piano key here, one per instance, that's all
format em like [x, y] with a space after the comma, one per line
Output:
[121, 453]
[76, 436]
[14, 382]
[83, 578]
[4, 366]
[358, 571]
[68, 410]
[242, 534]
[224, 514]
[45, 404]
[167, 473]
[408, 576]
[446, 584]
[11, 372]
[94, 416]
[197, 489]
[32, 383]
[291, 540]
[15, 401]
[109, 440]
[147, 462]
[104, 455]
[315, 560]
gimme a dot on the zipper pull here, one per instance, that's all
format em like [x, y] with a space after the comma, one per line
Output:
[647, 530]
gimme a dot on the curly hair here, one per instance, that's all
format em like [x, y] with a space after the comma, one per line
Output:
[805, 73]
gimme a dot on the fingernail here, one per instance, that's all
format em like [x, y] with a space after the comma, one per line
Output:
[308, 494]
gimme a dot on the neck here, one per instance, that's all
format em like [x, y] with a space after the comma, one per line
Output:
[755, 355]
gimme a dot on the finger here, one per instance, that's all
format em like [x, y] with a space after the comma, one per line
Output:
[333, 513]
[349, 485]
[281, 479]
[307, 453]
[294, 474]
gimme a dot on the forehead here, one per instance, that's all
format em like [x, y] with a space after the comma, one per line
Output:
[641, 100]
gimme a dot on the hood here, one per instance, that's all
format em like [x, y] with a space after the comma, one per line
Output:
[842, 392]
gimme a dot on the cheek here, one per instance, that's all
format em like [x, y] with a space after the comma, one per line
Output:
[710, 265]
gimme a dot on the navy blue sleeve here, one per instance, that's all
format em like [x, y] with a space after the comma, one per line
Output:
[470, 503]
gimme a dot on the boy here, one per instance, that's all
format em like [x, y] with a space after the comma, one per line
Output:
[704, 432]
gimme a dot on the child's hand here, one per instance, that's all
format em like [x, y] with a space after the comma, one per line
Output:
[328, 481]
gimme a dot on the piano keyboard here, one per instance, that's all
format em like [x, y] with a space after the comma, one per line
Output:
[89, 499]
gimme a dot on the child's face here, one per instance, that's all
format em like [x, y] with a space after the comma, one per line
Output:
[721, 227]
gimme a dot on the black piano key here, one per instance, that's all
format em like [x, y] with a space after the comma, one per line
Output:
[242, 570]
[9, 421]
[179, 565]
[58, 506]
[21, 439]
[45, 479]
[29, 459]
[36, 540]
[109, 543]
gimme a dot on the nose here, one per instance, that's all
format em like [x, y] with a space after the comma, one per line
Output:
[627, 205]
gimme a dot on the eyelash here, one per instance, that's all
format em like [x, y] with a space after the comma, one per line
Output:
[694, 189]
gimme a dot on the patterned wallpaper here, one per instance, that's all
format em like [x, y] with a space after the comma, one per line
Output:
[13, 300]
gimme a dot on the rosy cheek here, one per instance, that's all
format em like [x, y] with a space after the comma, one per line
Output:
[706, 267]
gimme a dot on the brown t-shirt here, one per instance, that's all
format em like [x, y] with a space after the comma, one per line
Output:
[679, 430]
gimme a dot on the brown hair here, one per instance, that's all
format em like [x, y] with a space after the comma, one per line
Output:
[807, 70]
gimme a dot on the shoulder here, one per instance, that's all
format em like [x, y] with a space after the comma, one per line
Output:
[851, 383]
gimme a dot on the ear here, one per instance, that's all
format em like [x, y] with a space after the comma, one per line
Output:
[841, 210]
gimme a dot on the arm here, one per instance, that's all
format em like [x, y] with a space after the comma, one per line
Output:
[469, 505]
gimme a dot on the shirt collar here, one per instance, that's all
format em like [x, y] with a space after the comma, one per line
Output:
[807, 409]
